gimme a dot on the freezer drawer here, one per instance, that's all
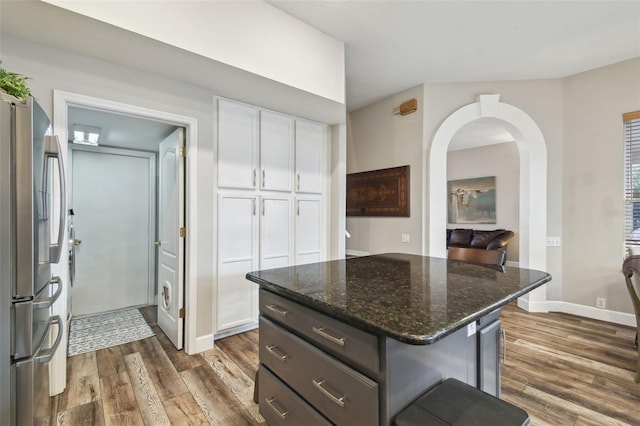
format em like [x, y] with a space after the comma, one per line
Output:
[31, 321]
[31, 380]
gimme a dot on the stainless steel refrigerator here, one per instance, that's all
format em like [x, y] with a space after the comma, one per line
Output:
[30, 161]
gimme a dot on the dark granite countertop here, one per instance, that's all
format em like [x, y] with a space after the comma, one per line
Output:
[413, 299]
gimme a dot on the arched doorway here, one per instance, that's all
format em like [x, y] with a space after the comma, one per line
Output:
[533, 184]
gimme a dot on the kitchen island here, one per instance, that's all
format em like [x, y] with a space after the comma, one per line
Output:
[354, 341]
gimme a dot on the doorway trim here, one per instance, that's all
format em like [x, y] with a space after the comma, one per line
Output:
[62, 100]
[533, 185]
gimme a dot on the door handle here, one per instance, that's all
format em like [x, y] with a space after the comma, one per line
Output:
[53, 150]
[76, 242]
[158, 243]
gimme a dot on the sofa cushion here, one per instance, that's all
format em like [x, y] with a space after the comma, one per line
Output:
[460, 237]
[480, 239]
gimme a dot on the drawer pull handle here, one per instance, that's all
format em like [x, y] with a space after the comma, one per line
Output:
[320, 332]
[279, 357]
[274, 408]
[278, 310]
[332, 397]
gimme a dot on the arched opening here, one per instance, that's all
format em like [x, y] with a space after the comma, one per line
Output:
[533, 184]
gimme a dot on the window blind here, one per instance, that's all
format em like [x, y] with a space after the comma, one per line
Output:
[632, 179]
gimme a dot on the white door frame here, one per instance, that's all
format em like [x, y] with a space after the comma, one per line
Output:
[62, 100]
[151, 157]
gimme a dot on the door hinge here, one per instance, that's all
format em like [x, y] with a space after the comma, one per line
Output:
[183, 151]
[183, 232]
[181, 313]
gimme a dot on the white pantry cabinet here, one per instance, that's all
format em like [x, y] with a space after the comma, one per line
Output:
[238, 139]
[271, 207]
[276, 151]
[237, 255]
[310, 241]
[310, 147]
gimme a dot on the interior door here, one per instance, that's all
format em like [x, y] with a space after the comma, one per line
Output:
[170, 239]
[113, 197]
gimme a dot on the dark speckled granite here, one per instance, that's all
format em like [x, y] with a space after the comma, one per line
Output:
[413, 299]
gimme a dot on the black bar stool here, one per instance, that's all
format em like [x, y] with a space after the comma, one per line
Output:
[455, 403]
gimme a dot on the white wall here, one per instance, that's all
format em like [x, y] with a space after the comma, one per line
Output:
[378, 139]
[593, 181]
[51, 69]
[501, 161]
[249, 35]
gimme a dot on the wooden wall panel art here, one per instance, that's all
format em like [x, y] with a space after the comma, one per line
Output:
[379, 192]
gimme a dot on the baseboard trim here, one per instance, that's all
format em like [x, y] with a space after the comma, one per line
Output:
[203, 343]
[356, 253]
[592, 313]
[235, 330]
[579, 310]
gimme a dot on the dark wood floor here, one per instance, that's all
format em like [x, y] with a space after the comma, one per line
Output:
[561, 369]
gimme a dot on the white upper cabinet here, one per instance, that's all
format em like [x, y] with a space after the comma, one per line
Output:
[276, 151]
[310, 147]
[238, 141]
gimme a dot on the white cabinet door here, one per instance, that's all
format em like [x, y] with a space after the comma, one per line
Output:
[237, 255]
[238, 138]
[309, 231]
[310, 153]
[276, 151]
[275, 232]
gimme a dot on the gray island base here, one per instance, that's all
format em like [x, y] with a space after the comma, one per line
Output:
[353, 342]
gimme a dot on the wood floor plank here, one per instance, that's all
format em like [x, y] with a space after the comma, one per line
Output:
[87, 414]
[110, 361]
[83, 383]
[151, 407]
[180, 360]
[242, 351]
[160, 368]
[150, 314]
[217, 401]
[82, 365]
[241, 385]
[184, 410]
[119, 401]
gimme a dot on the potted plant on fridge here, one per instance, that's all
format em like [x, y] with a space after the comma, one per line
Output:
[13, 83]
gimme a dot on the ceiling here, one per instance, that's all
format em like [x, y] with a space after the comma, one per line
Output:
[394, 45]
[390, 46]
[121, 131]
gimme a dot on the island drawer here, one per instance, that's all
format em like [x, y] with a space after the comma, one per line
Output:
[343, 395]
[279, 405]
[352, 345]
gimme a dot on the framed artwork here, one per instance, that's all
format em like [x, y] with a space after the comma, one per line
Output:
[379, 192]
[472, 200]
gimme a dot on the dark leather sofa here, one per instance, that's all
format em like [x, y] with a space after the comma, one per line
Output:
[474, 239]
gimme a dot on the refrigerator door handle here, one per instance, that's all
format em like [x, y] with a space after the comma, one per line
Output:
[53, 150]
[47, 302]
[46, 355]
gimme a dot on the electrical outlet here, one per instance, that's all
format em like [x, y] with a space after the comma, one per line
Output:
[553, 241]
[471, 329]
[601, 302]
[405, 238]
